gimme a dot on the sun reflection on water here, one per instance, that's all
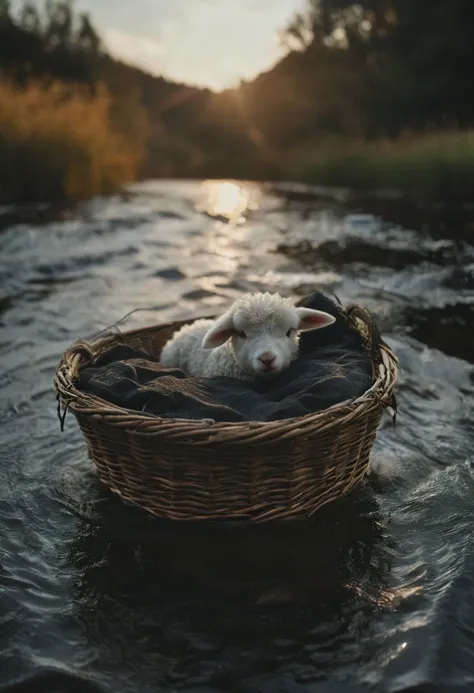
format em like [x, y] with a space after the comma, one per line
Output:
[230, 204]
[226, 200]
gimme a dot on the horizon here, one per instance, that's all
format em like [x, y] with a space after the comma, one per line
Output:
[205, 43]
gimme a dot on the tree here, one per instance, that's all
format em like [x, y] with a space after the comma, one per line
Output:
[59, 26]
[30, 19]
[86, 37]
[5, 9]
[417, 57]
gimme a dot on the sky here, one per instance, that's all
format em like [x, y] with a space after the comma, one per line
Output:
[213, 43]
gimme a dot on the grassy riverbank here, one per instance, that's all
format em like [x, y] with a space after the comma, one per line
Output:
[58, 142]
[61, 142]
[431, 164]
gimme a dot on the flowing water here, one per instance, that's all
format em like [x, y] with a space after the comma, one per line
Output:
[374, 593]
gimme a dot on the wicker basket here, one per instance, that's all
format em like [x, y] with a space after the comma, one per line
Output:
[255, 471]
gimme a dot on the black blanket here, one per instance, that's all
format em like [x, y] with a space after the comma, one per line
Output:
[332, 367]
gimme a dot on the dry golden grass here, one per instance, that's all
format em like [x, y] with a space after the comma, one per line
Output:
[57, 142]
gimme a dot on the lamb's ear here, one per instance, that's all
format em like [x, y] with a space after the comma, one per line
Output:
[313, 319]
[220, 332]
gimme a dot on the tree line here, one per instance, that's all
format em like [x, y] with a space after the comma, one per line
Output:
[414, 60]
[370, 69]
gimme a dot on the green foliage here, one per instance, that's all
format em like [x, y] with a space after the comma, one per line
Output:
[54, 42]
[431, 164]
[416, 58]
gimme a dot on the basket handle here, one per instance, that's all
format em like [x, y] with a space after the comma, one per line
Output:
[374, 342]
[368, 329]
[68, 369]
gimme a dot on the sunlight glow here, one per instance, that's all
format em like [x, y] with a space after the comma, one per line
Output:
[213, 43]
[225, 199]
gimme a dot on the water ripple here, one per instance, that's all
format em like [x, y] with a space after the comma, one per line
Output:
[96, 596]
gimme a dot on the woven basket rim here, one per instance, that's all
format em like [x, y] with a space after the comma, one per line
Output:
[201, 469]
[93, 405]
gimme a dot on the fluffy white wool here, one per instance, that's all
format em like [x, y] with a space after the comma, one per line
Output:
[256, 337]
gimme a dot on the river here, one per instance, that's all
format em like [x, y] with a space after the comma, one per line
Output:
[375, 593]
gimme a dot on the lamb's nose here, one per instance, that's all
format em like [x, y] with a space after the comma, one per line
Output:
[267, 358]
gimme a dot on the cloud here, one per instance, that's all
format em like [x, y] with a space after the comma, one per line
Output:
[142, 51]
[209, 42]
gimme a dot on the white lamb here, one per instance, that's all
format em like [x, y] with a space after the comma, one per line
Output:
[256, 337]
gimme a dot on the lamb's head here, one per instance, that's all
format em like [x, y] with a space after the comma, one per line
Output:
[263, 330]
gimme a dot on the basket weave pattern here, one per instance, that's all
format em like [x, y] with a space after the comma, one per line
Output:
[185, 469]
